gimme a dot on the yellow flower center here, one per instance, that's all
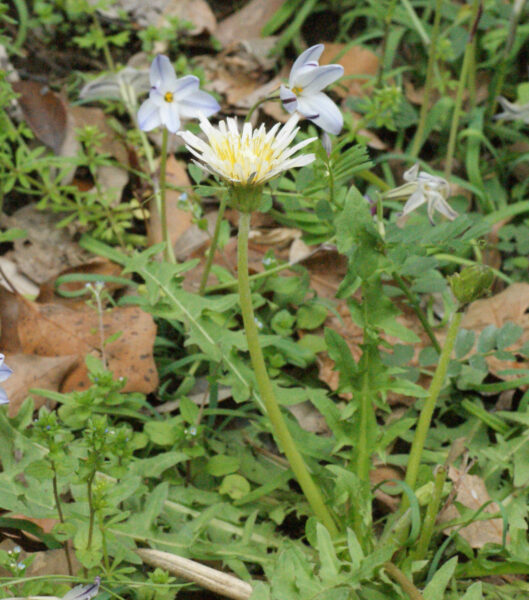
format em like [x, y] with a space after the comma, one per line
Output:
[168, 96]
[297, 90]
[248, 158]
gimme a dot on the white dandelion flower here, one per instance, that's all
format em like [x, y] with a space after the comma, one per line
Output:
[249, 157]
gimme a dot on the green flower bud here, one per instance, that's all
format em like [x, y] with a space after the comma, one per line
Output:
[472, 283]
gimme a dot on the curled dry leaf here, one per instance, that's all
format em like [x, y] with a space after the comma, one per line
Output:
[46, 250]
[472, 493]
[11, 277]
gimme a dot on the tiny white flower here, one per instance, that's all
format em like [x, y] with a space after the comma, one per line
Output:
[304, 91]
[5, 372]
[513, 111]
[421, 187]
[171, 99]
[250, 157]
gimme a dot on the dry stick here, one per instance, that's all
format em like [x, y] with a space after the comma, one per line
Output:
[206, 577]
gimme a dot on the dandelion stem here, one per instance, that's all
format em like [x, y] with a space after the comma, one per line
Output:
[425, 418]
[283, 436]
[168, 250]
[213, 246]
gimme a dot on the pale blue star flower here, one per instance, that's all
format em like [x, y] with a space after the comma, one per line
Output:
[83, 592]
[513, 111]
[5, 372]
[304, 90]
[421, 188]
[172, 99]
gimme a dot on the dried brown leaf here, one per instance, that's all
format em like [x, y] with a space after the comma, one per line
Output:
[45, 112]
[32, 371]
[356, 61]
[472, 493]
[57, 330]
[197, 12]
[509, 305]
[248, 22]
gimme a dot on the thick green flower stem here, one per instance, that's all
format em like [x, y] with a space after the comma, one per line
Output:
[213, 246]
[282, 434]
[425, 417]
[425, 108]
[168, 250]
[430, 518]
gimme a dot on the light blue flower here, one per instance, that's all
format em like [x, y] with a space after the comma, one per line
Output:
[5, 372]
[83, 592]
[304, 91]
[424, 188]
[172, 99]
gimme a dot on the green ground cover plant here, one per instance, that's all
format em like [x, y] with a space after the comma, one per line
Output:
[413, 188]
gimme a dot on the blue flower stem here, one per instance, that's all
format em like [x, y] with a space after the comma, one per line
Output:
[310, 489]
[168, 250]
[213, 246]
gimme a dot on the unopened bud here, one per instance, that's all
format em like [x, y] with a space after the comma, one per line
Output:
[326, 143]
[472, 283]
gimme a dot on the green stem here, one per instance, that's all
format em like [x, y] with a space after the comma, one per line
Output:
[311, 491]
[500, 73]
[418, 310]
[425, 107]
[213, 246]
[397, 575]
[383, 52]
[425, 417]
[463, 77]
[416, 22]
[127, 94]
[90, 510]
[374, 179]
[61, 515]
[466, 261]
[432, 512]
[257, 104]
[168, 250]
[256, 277]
